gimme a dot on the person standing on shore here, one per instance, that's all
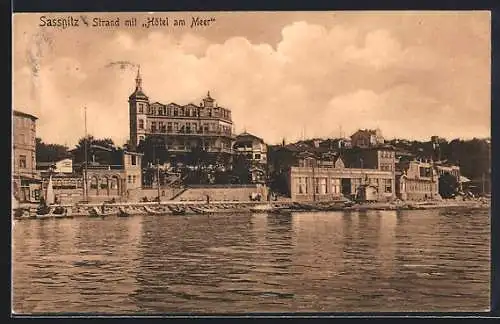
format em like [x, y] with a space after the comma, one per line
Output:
[208, 199]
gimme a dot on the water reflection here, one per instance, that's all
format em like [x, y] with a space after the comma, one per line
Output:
[358, 261]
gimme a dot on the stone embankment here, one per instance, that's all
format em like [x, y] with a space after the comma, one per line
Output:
[199, 207]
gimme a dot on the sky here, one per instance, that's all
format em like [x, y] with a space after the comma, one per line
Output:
[284, 75]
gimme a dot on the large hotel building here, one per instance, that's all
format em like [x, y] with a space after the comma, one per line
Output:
[181, 127]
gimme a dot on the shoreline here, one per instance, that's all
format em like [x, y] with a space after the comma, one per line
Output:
[219, 207]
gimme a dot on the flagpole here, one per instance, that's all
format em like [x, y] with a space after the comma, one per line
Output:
[85, 184]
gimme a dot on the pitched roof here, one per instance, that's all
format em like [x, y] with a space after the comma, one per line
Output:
[138, 94]
[23, 114]
[246, 134]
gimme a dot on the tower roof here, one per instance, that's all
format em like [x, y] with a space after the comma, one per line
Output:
[138, 93]
[208, 97]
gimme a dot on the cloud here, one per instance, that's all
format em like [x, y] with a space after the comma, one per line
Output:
[315, 78]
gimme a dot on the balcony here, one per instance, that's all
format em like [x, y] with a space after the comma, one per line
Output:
[185, 149]
[190, 132]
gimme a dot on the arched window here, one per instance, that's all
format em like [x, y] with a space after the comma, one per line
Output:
[141, 124]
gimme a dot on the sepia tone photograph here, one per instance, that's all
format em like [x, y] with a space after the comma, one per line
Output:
[251, 162]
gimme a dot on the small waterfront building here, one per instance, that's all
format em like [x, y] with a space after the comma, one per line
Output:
[316, 183]
[254, 151]
[104, 181]
[454, 170]
[25, 180]
[316, 173]
[417, 180]
[61, 166]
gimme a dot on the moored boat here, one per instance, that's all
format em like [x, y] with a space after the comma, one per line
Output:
[268, 208]
[203, 210]
[96, 212]
[122, 212]
[152, 211]
[51, 212]
[177, 210]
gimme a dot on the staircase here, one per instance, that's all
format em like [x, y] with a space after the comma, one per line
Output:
[180, 192]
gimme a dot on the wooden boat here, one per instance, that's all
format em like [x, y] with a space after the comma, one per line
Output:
[18, 213]
[151, 211]
[177, 210]
[265, 209]
[51, 212]
[203, 210]
[122, 212]
[96, 212]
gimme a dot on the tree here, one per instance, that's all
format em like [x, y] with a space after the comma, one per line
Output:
[448, 186]
[50, 152]
[154, 150]
[101, 150]
[241, 169]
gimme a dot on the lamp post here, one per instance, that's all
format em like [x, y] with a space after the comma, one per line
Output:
[157, 160]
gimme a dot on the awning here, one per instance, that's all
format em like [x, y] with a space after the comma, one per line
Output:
[464, 179]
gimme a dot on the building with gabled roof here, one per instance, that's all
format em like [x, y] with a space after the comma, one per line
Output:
[253, 150]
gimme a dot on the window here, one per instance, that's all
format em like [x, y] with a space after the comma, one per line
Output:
[387, 185]
[176, 111]
[169, 127]
[161, 127]
[22, 161]
[182, 111]
[141, 124]
[335, 186]
[169, 111]
[322, 186]
[129, 179]
[141, 108]
[176, 127]
[302, 188]
[355, 184]
[316, 185]
[133, 179]
[153, 126]
[257, 156]
[133, 159]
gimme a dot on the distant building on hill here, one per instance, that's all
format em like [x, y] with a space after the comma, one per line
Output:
[365, 138]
